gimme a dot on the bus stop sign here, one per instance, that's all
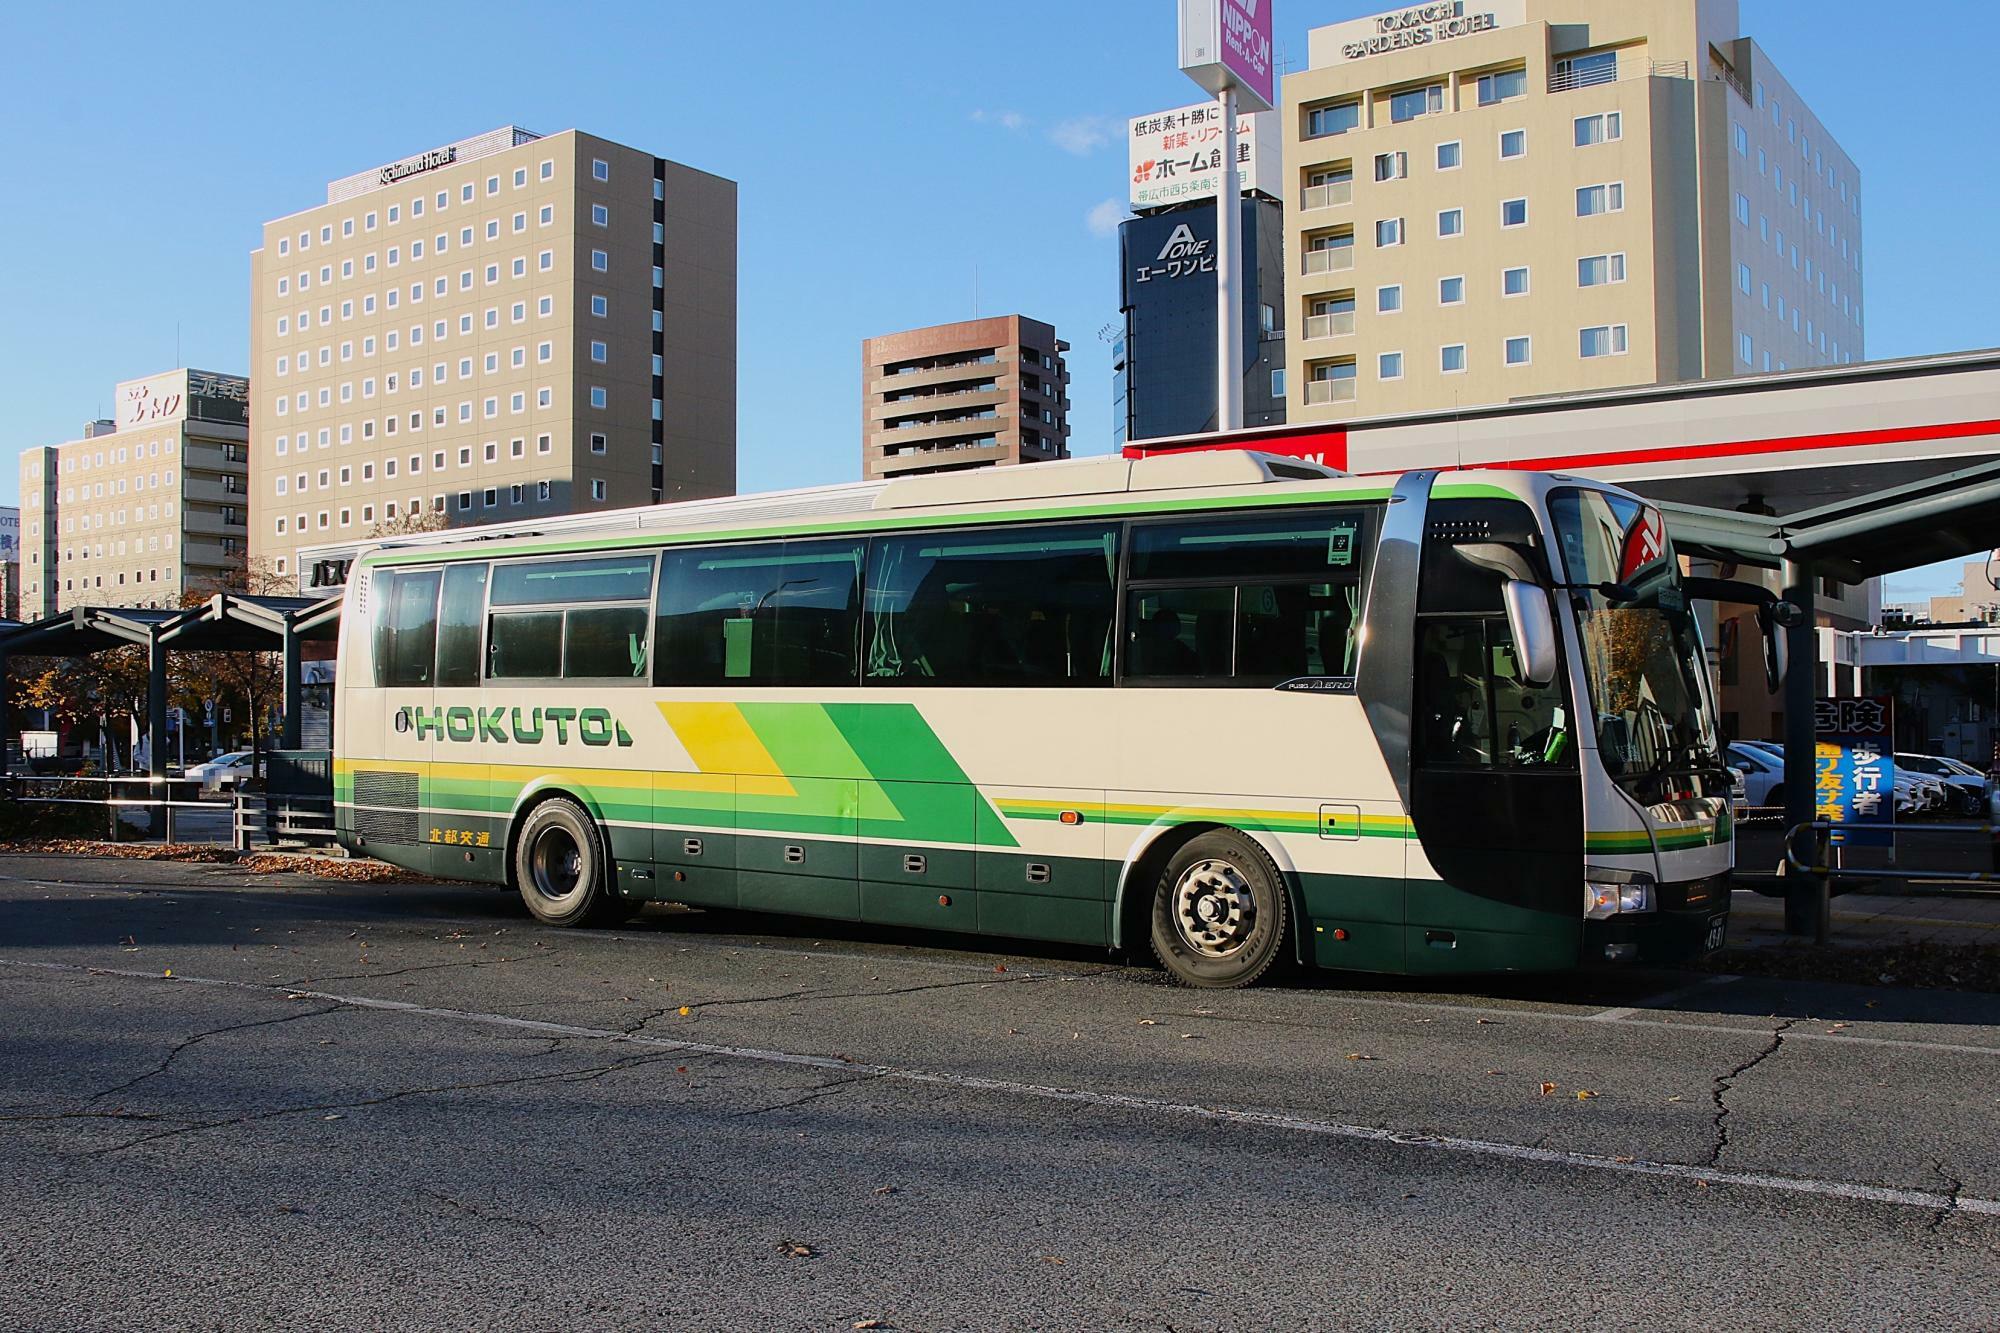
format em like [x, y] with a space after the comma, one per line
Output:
[1854, 769]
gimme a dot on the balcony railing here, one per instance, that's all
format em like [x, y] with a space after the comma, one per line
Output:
[1330, 195]
[1563, 80]
[1329, 391]
[1335, 259]
[1333, 324]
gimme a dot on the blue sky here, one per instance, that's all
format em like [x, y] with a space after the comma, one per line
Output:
[894, 158]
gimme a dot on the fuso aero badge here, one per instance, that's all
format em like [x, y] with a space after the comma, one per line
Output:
[516, 726]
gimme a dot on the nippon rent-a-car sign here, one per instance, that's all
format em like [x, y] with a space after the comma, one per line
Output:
[1227, 44]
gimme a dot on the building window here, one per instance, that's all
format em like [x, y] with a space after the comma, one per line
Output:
[600, 261]
[600, 216]
[549, 169]
[1513, 212]
[1451, 291]
[1594, 199]
[1514, 143]
[1391, 166]
[1519, 351]
[1514, 281]
[1451, 222]
[600, 170]
[1414, 102]
[1598, 270]
[1338, 118]
[1741, 138]
[1742, 209]
[597, 488]
[597, 398]
[1503, 86]
[1388, 300]
[598, 443]
[600, 306]
[1389, 366]
[1743, 278]
[1388, 232]
[1448, 156]
[1744, 350]
[1278, 382]
[1451, 358]
[1603, 340]
[600, 354]
[543, 444]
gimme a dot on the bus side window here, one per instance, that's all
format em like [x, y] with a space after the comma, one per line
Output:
[764, 613]
[1025, 606]
[406, 633]
[460, 615]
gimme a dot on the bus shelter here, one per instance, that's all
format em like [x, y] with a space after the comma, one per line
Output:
[227, 622]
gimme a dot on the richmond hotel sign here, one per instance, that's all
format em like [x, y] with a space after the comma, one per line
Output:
[431, 161]
[1420, 25]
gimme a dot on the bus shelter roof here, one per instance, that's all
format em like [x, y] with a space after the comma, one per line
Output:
[87, 629]
[1940, 517]
[236, 622]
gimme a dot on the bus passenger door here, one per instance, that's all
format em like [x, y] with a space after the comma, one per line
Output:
[1496, 794]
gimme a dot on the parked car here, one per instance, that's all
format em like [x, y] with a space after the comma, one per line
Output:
[1966, 786]
[1763, 773]
[224, 771]
[1763, 765]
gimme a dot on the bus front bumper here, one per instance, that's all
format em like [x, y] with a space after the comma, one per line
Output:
[1691, 919]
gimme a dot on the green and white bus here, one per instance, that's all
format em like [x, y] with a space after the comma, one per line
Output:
[1225, 706]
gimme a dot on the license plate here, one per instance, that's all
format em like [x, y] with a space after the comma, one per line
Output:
[1718, 930]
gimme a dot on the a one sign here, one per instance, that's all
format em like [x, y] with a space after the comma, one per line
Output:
[153, 402]
[1174, 156]
[1854, 769]
[1410, 28]
[1227, 44]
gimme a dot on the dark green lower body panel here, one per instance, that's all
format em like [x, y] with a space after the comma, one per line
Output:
[1355, 922]
[1450, 930]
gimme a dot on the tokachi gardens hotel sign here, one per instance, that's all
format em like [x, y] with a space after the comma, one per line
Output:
[1406, 29]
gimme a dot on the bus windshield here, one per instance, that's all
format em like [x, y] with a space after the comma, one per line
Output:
[1642, 652]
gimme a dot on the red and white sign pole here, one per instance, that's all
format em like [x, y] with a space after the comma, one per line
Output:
[1228, 277]
[1226, 48]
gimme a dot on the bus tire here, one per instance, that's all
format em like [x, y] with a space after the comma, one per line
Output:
[1219, 912]
[560, 869]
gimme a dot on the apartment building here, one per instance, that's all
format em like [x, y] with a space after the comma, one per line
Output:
[509, 326]
[147, 506]
[1505, 198]
[980, 393]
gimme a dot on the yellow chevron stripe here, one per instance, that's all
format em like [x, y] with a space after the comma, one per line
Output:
[719, 740]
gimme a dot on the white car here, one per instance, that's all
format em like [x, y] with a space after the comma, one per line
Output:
[1763, 773]
[223, 771]
[1965, 785]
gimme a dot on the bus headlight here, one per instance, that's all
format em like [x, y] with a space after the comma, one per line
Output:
[1608, 892]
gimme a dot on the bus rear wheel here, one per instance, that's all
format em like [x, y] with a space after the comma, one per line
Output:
[1218, 912]
[560, 869]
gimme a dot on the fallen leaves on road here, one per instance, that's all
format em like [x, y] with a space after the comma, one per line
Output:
[871, 1323]
[1548, 1089]
[796, 1249]
[887, 1189]
[1584, 1094]
[1356, 1055]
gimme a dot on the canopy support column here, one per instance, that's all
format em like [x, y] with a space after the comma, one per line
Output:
[1805, 895]
[294, 692]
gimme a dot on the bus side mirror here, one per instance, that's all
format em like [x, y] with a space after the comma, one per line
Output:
[1533, 628]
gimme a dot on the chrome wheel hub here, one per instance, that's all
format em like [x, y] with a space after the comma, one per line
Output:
[1214, 909]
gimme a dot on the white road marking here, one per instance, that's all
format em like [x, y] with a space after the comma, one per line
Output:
[1665, 999]
[1834, 1189]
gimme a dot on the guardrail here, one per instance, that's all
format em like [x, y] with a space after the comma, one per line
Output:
[253, 817]
[1822, 869]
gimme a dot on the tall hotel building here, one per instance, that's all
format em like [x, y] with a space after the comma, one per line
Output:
[506, 327]
[147, 507]
[1504, 198]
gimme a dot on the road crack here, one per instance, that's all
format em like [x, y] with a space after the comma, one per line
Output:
[813, 1094]
[180, 1047]
[1724, 1083]
[577, 1075]
[482, 1214]
[1954, 1188]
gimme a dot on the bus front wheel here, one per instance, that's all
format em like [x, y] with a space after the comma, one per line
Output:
[1219, 912]
[560, 869]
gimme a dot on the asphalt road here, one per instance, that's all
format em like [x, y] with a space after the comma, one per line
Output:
[365, 1106]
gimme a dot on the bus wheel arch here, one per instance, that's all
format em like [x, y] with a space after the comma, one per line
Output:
[1140, 875]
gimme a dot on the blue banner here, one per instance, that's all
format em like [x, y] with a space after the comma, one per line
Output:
[1854, 770]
